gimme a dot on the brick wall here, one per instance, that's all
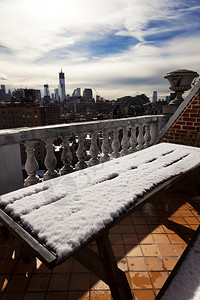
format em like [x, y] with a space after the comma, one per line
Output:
[186, 129]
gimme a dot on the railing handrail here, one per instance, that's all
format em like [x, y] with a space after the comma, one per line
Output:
[19, 135]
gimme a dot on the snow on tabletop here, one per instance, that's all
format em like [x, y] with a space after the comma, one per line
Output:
[65, 212]
[186, 284]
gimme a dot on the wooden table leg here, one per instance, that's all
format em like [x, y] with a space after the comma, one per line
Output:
[116, 278]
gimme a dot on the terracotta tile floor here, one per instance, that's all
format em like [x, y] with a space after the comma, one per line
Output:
[147, 245]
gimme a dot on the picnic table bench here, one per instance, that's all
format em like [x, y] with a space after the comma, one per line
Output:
[59, 218]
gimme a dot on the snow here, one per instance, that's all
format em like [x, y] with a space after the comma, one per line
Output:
[65, 212]
[186, 284]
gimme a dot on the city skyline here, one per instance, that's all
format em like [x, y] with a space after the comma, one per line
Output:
[117, 48]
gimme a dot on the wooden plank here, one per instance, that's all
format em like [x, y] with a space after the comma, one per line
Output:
[39, 250]
[116, 278]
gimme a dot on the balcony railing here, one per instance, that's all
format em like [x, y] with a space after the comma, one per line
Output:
[97, 142]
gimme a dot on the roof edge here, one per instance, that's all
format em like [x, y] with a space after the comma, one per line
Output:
[179, 110]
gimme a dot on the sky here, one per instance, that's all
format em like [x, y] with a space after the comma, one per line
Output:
[115, 47]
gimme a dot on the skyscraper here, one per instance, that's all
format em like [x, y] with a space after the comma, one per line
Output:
[76, 92]
[154, 96]
[87, 94]
[46, 90]
[56, 94]
[61, 86]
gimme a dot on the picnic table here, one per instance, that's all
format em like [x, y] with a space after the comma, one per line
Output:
[59, 218]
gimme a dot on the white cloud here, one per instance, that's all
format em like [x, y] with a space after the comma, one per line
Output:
[39, 37]
[3, 76]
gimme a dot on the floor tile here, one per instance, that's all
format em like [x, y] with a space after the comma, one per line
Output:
[142, 228]
[160, 238]
[150, 250]
[79, 281]
[166, 250]
[136, 264]
[115, 239]
[175, 239]
[59, 282]
[186, 213]
[78, 268]
[170, 262]
[191, 220]
[140, 280]
[64, 267]
[133, 250]
[96, 284]
[178, 220]
[23, 268]
[145, 238]
[39, 282]
[75, 295]
[40, 268]
[12, 296]
[138, 213]
[55, 296]
[122, 263]
[154, 264]
[17, 284]
[152, 220]
[7, 266]
[139, 220]
[115, 229]
[130, 238]
[33, 296]
[144, 295]
[100, 295]
[156, 228]
[118, 250]
[179, 248]
[169, 228]
[127, 221]
[127, 229]
[158, 279]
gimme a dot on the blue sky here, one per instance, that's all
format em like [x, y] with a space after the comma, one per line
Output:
[118, 47]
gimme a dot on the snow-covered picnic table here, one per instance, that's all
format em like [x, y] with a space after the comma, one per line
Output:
[58, 218]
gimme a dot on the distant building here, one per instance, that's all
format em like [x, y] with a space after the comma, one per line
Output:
[28, 113]
[87, 95]
[52, 113]
[38, 95]
[155, 95]
[61, 86]
[56, 94]
[3, 93]
[18, 94]
[46, 90]
[76, 92]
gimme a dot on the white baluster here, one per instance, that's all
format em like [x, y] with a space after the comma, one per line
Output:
[133, 140]
[66, 157]
[50, 161]
[105, 147]
[125, 142]
[140, 138]
[94, 150]
[31, 165]
[147, 137]
[115, 144]
[81, 152]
